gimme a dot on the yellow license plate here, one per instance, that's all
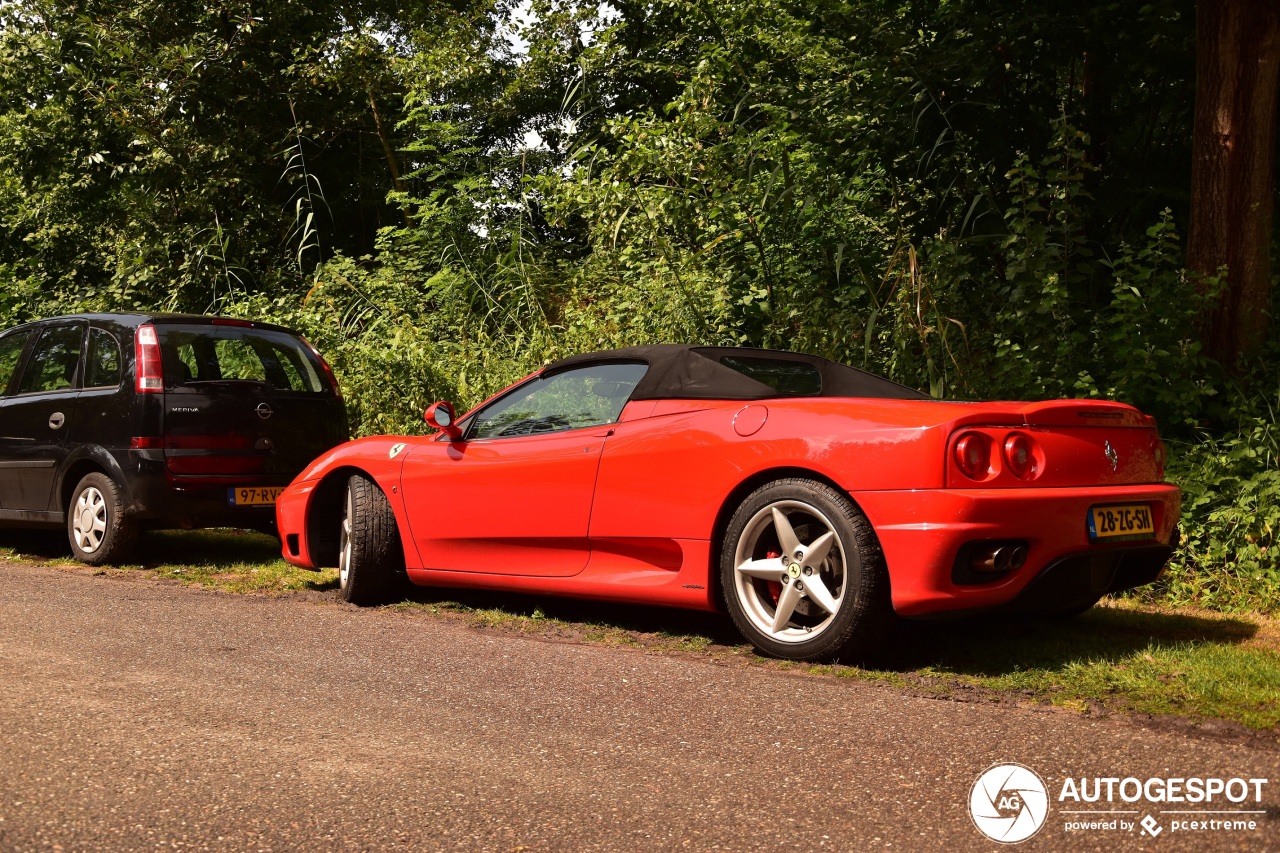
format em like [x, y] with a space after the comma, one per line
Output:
[253, 495]
[1113, 523]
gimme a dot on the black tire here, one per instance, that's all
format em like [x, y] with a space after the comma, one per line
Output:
[370, 556]
[99, 530]
[851, 575]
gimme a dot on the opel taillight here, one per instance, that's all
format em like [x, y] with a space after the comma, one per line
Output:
[146, 350]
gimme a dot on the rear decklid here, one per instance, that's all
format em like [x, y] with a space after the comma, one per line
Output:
[1063, 443]
[243, 398]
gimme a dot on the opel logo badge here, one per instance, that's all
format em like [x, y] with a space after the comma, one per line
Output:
[264, 411]
[1112, 456]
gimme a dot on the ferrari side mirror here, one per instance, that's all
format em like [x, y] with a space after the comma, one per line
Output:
[440, 416]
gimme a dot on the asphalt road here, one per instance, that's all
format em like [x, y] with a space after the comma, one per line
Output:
[138, 715]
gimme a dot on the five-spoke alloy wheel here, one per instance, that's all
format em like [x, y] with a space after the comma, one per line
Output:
[97, 526]
[802, 574]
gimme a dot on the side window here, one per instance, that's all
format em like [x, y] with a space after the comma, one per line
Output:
[102, 367]
[587, 396]
[53, 363]
[11, 347]
[789, 378]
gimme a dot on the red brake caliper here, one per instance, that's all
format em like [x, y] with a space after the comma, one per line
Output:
[775, 588]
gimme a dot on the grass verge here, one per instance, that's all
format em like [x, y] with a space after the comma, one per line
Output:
[1122, 657]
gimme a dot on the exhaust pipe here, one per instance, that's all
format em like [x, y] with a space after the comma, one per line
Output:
[998, 558]
[1017, 557]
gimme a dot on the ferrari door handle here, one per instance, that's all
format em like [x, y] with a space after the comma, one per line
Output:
[56, 420]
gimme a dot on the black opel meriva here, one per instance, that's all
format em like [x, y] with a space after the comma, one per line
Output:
[114, 423]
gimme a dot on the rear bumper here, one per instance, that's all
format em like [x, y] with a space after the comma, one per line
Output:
[922, 533]
[159, 499]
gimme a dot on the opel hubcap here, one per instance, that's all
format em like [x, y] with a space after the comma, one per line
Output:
[89, 524]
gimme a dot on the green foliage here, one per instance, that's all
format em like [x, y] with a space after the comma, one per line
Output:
[1229, 559]
[1068, 320]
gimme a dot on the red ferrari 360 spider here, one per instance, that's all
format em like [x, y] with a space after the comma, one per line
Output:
[810, 499]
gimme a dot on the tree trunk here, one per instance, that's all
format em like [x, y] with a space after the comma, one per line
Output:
[389, 152]
[1237, 60]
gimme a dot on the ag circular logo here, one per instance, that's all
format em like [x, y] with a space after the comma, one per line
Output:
[1008, 803]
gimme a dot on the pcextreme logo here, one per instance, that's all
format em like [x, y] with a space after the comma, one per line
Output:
[1010, 802]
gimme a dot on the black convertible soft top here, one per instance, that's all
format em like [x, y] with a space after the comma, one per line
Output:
[683, 372]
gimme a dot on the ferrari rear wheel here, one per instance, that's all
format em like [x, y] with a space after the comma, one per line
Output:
[802, 575]
[370, 556]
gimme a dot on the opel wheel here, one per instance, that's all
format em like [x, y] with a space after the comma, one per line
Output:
[370, 556]
[97, 526]
[802, 575]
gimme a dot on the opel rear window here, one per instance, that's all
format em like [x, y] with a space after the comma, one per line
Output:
[229, 354]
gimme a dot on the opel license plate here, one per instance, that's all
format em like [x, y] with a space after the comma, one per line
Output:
[253, 495]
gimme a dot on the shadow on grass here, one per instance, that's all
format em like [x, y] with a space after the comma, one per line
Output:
[323, 586]
[37, 544]
[222, 554]
[1003, 645]
[205, 548]
[212, 548]
[714, 627]
[983, 646]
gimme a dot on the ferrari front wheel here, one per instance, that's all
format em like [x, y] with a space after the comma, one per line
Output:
[370, 556]
[802, 575]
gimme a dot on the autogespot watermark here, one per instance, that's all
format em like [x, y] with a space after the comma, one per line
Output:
[1010, 803]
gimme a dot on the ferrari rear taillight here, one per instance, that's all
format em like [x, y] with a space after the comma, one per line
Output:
[973, 455]
[146, 351]
[328, 371]
[1020, 456]
[1157, 453]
